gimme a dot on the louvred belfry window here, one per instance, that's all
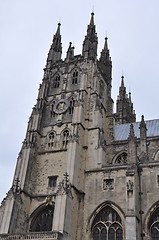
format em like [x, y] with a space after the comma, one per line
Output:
[71, 107]
[56, 83]
[154, 225]
[75, 77]
[107, 225]
[43, 221]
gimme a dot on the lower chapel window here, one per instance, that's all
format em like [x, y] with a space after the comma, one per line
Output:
[43, 221]
[154, 225]
[107, 225]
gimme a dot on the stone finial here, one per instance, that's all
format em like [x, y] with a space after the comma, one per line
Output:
[91, 41]
[142, 123]
[105, 57]
[55, 51]
[70, 52]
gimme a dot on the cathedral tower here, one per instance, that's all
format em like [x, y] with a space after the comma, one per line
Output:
[79, 175]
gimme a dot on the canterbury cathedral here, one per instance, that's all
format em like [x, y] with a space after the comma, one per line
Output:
[84, 172]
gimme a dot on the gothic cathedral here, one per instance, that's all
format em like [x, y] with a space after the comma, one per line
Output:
[84, 172]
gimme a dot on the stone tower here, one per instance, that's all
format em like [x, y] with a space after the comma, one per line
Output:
[79, 175]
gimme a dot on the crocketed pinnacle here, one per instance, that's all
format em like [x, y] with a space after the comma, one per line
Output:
[55, 51]
[105, 58]
[90, 42]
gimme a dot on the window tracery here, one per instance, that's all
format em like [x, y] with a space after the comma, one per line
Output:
[121, 159]
[65, 139]
[43, 221]
[107, 225]
[75, 77]
[154, 225]
[56, 83]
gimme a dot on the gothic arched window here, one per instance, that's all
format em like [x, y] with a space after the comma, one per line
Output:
[154, 225]
[56, 83]
[65, 138]
[71, 107]
[51, 139]
[43, 221]
[121, 159]
[75, 77]
[107, 225]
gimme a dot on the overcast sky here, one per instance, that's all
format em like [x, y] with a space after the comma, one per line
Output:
[26, 31]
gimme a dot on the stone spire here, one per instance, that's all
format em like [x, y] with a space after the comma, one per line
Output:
[90, 41]
[55, 49]
[124, 106]
[70, 52]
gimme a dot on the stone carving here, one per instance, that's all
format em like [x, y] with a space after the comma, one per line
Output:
[130, 186]
[16, 186]
[108, 184]
[50, 200]
[64, 186]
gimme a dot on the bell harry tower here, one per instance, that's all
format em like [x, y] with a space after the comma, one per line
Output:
[65, 136]
[82, 170]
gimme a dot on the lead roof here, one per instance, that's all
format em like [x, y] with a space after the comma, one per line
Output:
[121, 131]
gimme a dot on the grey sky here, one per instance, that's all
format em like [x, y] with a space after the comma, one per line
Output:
[26, 30]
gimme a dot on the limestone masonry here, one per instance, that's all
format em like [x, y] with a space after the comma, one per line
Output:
[84, 172]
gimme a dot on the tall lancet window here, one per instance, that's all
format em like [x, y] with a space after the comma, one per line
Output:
[107, 225]
[154, 225]
[51, 139]
[75, 77]
[71, 107]
[56, 83]
[43, 220]
[65, 139]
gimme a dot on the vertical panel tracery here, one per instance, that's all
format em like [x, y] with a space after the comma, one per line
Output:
[107, 225]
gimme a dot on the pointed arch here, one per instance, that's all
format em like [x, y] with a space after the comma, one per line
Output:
[72, 104]
[156, 155]
[151, 222]
[75, 75]
[65, 134]
[42, 219]
[56, 81]
[120, 158]
[107, 222]
[51, 139]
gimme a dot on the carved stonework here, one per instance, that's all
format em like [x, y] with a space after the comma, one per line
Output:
[64, 186]
[130, 186]
[16, 186]
[108, 184]
[50, 200]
